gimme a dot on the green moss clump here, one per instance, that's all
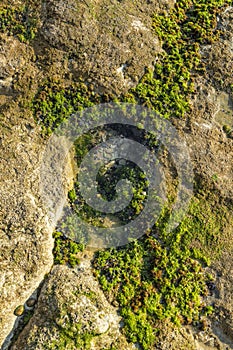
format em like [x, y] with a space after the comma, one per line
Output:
[19, 22]
[72, 195]
[65, 250]
[54, 103]
[205, 226]
[72, 337]
[152, 282]
[167, 89]
[227, 129]
[162, 276]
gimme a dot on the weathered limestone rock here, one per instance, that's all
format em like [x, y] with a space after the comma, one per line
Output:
[209, 146]
[14, 58]
[25, 239]
[218, 56]
[222, 323]
[108, 43]
[71, 302]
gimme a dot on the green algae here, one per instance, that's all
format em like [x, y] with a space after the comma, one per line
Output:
[65, 250]
[161, 276]
[18, 21]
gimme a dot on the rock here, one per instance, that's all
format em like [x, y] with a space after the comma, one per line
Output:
[210, 148]
[14, 58]
[218, 56]
[31, 302]
[19, 310]
[11, 61]
[110, 43]
[71, 302]
[25, 237]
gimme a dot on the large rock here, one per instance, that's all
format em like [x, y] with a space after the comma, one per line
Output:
[25, 238]
[108, 43]
[71, 306]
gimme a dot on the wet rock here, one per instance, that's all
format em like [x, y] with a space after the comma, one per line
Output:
[19, 310]
[31, 302]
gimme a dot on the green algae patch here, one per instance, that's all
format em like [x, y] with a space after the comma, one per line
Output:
[72, 337]
[54, 103]
[168, 88]
[18, 21]
[207, 226]
[163, 276]
[65, 250]
[153, 282]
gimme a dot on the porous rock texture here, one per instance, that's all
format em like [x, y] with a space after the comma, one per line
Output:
[109, 44]
[72, 297]
[25, 238]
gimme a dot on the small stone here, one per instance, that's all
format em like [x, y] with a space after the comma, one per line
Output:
[31, 302]
[19, 310]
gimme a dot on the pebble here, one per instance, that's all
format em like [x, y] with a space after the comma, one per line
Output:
[31, 302]
[19, 310]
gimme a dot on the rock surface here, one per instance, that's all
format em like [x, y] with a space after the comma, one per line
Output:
[25, 238]
[71, 301]
[110, 46]
[26, 243]
[108, 43]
